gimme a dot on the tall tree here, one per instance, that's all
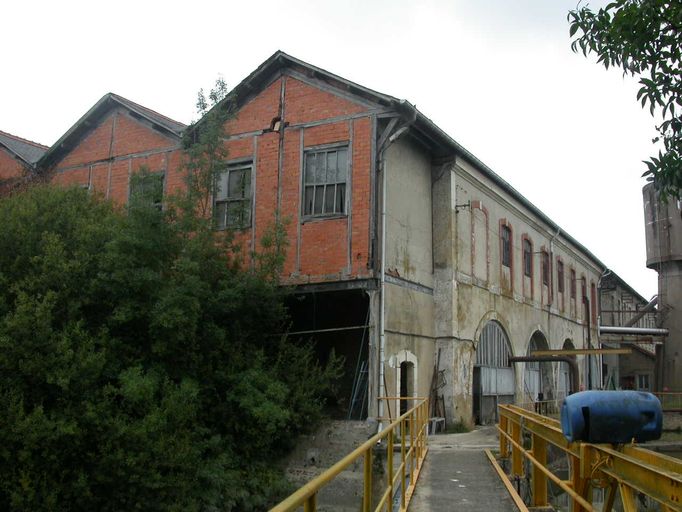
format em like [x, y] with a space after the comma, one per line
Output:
[140, 364]
[644, 38]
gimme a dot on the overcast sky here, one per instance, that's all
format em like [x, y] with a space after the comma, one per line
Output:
[498, 76]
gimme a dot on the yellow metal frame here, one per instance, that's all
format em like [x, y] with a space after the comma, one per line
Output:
[412, 455]
[626, 469]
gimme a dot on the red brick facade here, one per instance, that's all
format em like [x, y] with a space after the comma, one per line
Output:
[272, 129]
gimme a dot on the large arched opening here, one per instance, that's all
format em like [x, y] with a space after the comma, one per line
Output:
[493, 373]
[538, 377]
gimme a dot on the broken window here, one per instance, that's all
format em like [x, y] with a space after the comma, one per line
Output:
[147, 188]
[560, 275]
[325, 178]
[573, 286]
[545, 268]
[527, 258]
[232, 198]
[506, 245]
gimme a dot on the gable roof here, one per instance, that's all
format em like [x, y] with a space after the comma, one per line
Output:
[27, 151]
[75, 134]
[440, 143]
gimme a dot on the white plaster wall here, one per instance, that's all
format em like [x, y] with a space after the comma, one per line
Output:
[408, 212]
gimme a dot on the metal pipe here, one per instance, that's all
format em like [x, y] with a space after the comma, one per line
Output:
[646, 331]
[572, 366]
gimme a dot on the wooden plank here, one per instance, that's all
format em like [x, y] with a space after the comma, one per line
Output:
[507, 484]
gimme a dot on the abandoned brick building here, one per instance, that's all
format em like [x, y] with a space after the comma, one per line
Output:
[407, 254]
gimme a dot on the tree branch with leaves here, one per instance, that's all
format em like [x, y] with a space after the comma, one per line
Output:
[644, 38]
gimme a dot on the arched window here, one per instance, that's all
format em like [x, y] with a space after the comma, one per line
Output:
[560, 276]
[493, 379]
[506, 238]
[545, 268]
[527, 258]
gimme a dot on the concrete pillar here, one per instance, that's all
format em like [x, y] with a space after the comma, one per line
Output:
[456, 361]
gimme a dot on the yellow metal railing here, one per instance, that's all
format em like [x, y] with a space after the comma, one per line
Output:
[626, 469]
[410, 431]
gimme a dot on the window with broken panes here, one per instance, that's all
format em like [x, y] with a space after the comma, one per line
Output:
[232, 199]
[560, 276]
[527, 257]
[492, 349]
[147, 188]
[573, 286]
[506, 246]
[325, 178]
[545, 268]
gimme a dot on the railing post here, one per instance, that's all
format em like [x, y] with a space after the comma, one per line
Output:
[628, 498]
[413, 451]
[367, 495]
[517, 461]
[504, 443]
[539, 478]
[389, 462]
[310, 504]
[403, 460]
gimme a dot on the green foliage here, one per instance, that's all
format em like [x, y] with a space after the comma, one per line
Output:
[644, 38]
[135, 367]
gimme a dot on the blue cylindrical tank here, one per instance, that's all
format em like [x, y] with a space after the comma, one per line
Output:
[615, 417]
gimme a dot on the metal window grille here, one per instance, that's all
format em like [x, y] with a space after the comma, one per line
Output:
[527, 258]
[325, 180]
[232, 198]
[506, 246]
[493, 347]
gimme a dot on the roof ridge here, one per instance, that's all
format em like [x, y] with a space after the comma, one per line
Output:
[21, 139]
[119, 97]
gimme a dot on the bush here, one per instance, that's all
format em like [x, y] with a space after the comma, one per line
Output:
[138, 369]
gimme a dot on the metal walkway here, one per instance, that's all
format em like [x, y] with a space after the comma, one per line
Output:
[457, 475]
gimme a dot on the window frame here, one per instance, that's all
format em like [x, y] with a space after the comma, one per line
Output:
[545, 267]
[560, 277]
[141, 176]
[527, 257]
[305, 184]
[506, 246]
[247, 198]
[572, 285]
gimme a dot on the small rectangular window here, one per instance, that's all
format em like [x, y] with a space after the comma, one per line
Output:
[506, 246]
[324, 182]
[545, 268]
[560, 276]
[232, 198]
[147, 188]
[527, 258]
[573, 285]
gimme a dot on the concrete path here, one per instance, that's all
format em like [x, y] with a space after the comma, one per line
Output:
[458, 476]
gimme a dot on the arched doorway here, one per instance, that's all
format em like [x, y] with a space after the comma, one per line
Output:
[538, 377]
[406, 379]
[564, 383]
[493, 374]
